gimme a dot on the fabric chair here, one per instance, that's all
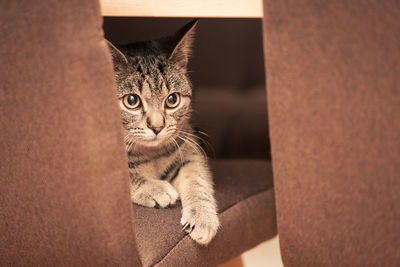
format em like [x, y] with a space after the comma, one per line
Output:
[64, 178]
[334, 105]
[334, 111]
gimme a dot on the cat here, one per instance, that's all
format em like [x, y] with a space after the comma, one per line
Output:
[165, 160]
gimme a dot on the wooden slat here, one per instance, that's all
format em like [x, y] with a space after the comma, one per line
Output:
[183, 8]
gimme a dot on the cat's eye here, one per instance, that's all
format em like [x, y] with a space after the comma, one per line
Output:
[173, 100]
[131, 101]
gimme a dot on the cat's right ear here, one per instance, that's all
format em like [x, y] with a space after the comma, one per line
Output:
[117, 55]
[179, 45]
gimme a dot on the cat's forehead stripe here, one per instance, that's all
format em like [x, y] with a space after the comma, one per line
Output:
[153, 73]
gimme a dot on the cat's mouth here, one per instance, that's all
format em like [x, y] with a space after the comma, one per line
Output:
[135, 140]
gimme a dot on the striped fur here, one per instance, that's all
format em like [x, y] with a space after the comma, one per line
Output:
[170, 165]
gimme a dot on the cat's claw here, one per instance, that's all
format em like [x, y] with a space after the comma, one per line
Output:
[200, 223]
[185, 226]
[188, 228]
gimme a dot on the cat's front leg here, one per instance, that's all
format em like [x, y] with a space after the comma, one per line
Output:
[152, 193]
[199, 208]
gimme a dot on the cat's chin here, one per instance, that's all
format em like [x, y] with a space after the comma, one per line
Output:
[154, 142]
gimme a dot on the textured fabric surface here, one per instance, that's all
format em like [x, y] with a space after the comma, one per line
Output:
[334, 104]
[64, 197]
[244, 193]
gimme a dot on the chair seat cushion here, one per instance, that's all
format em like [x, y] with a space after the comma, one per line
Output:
[244, 192]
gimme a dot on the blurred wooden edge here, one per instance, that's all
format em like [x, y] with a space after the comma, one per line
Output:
[235, 262]
[182, 8]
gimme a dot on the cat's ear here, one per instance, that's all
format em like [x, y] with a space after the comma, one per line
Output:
[179, 46]
[117, 55]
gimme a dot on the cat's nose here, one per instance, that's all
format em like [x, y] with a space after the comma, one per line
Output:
[156, 130]
[156, 124]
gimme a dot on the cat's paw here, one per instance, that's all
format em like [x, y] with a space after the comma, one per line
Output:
[155, 194]
[200, 223]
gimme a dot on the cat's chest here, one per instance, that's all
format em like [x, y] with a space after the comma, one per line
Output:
[152, 168]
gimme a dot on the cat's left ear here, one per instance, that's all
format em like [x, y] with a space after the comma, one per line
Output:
[180, 44]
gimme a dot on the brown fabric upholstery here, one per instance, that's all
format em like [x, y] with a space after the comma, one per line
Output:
[334, 104]
[244, 193]
[63, 171]
[64, 182]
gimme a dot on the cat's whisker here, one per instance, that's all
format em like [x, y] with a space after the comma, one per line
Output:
[131, 138]
[199, 129]
[179, 149]
[129, 146]
[130, 143]
[190, 133]
[203, 133]
[206, 142]
[127, 143]
[194, 141]
[189, 143]
[193, 135]
[133, 146]
[194, 145]
[127, 136]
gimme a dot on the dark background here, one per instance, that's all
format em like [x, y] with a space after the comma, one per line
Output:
[227, 70]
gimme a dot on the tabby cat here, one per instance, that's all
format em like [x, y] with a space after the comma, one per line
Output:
[165, 161]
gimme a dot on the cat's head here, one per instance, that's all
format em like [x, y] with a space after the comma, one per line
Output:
[154, 90]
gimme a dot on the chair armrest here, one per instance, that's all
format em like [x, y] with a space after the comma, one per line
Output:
[334, 105]
[64, 181]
